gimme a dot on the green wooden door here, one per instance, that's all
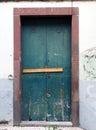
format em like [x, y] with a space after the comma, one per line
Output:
[46, 43]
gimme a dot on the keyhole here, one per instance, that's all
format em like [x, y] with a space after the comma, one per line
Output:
[30, 119]
[48, 74]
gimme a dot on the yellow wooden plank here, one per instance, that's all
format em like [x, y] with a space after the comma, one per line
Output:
[42, 70]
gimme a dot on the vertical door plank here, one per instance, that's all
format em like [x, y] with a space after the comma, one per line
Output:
[33, 56]
[59, 55]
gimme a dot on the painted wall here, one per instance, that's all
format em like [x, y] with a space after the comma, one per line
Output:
[87, 62]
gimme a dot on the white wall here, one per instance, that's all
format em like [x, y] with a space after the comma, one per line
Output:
[87, 40]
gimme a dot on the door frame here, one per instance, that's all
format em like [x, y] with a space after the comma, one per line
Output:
[37, 12]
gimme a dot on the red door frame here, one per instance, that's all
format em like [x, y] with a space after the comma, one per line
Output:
[73, 12]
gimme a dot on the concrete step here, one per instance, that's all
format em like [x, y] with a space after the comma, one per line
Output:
[39, 128]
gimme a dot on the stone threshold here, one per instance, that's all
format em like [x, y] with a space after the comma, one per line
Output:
[44, 123]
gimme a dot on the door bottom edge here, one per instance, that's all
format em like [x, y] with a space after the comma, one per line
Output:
[46, 123]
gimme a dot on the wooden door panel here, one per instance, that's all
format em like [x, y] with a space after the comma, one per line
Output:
[33, 56]
[46, 43]
[34, 97]
[59, 84]
[34, 45]
[55, 46]
[54, 99]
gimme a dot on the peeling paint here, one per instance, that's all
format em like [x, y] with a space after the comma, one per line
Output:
[88, 64]
[62, 102]
[87, 89]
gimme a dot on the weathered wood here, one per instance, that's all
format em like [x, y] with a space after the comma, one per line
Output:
[43, 70]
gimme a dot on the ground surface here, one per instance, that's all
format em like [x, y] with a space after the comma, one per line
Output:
[39, 128]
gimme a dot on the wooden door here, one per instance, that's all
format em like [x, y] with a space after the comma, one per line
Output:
[46, 44]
